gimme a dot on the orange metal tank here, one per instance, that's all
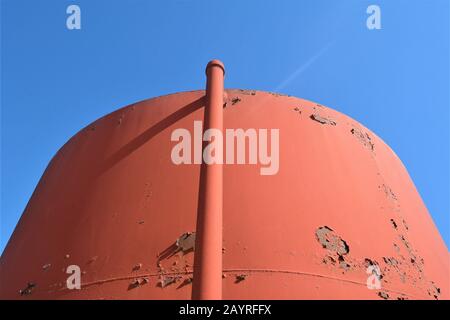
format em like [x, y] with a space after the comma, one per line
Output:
[341, 205]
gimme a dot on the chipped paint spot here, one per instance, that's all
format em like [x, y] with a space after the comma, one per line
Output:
[137, 267]
[343, 264]
[93, 259]
[388, 192]
[137, 282]
[28, 289]
[434, 291]
[405, 224]
[165, 281]
[394, 224]
[322, 120]
[46, 266]
[332, 242]
[240, 277]
[235, 100]
[275, 94]
[247, 92]
[390, 261]
[185, 282]
[329, 260]
[364, 138]
[186, 242]
[297, 109]
[383, 295]
[329, 240]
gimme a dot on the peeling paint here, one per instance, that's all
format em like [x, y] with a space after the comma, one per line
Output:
[343, 264]
[322, 120]
[383, 295]
[390, 261]
[186, 242]
[240, 277]
[137, 282]
[394, 224]
[165, 281]
[405, 224]
[329, 240]
[28, 289]
[364, 138]
[235, 100]
[388, 192]
[247, 92]
[46, 266]
[434, 291]
[137, 267]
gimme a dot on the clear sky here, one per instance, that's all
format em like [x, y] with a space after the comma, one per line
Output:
[54, 81]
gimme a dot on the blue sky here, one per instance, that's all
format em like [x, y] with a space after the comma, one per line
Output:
[54, 81]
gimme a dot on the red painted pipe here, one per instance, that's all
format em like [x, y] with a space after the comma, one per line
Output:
[207, 282]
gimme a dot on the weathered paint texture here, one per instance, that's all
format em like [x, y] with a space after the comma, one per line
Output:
[112, 202]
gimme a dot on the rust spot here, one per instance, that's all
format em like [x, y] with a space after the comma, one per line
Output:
[322, 120]
[364, 138]
[329, 240]
[28, 289]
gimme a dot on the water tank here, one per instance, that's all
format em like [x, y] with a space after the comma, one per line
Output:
[340, 213]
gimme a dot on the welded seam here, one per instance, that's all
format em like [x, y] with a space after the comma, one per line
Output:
[181, 273]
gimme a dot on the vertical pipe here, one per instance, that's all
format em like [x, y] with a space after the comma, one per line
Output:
[207, 282]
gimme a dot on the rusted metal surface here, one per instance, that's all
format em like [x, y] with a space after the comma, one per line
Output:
[86, 207]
